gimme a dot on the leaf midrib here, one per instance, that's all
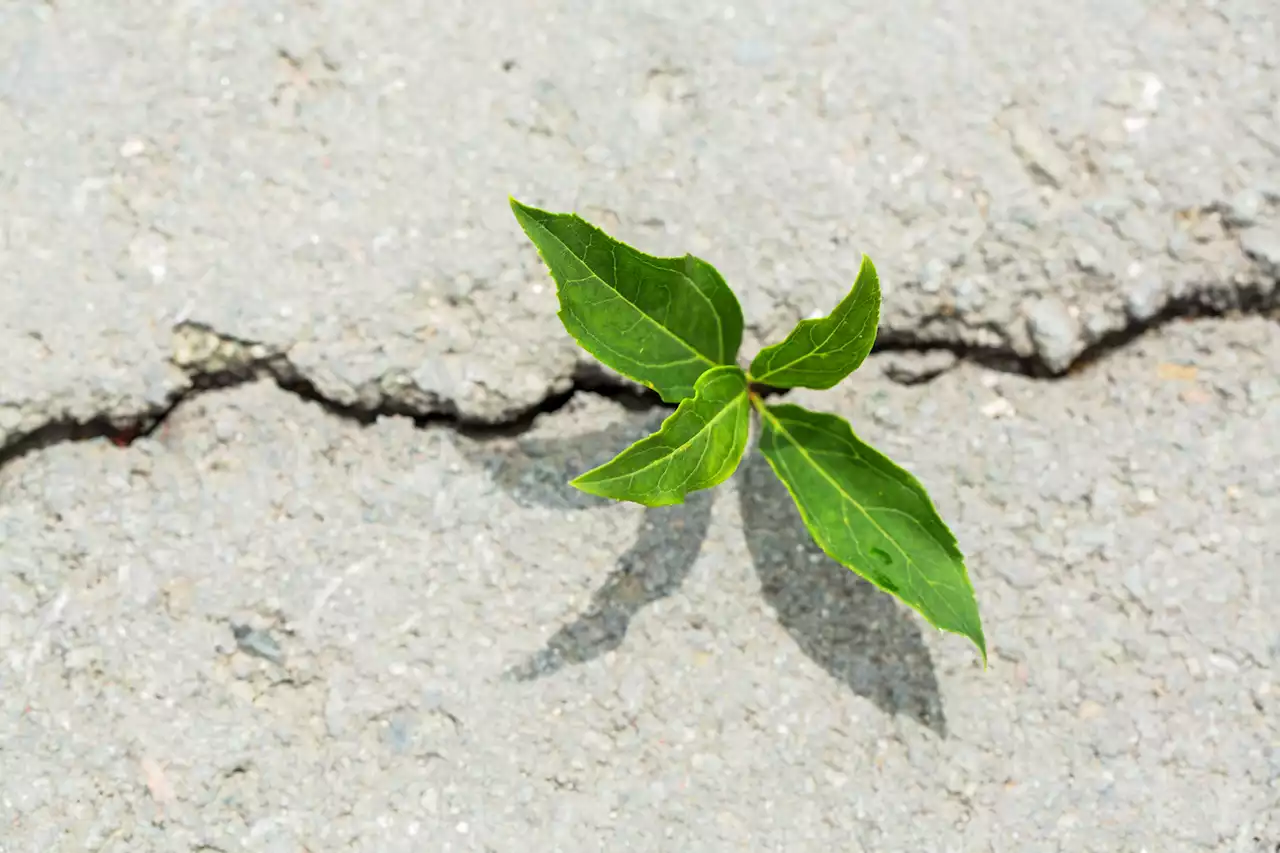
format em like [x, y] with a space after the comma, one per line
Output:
[688, 346]
[813, 464]
[714, 420]
[775, 370]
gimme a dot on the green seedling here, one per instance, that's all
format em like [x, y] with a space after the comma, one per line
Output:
[675, 326]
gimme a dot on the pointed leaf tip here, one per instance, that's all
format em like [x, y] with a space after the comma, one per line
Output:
[697, 447]
[820, 353]
[660, 321]
[872, 516]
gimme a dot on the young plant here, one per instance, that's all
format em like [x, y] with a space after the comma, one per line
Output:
[674, 325]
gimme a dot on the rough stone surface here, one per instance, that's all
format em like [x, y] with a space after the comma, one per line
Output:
[331, 178]
[267, 628]
[1243, 208]
[299, 616]
[1263, 244]
[1055, 334]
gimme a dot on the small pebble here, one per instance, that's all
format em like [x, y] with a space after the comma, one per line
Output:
[998, 408]
[910, 368]
[1243, 209]
[1088, 259]
[1263, 245]
[1054, 332]
[1040, 154]
[1089, 710]
[1145, 299]
[132, 148]
[1262, 390]
[257, 643]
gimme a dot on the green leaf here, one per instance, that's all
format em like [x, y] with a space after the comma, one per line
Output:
[820, 353]
[871, 515]
[661, 321]
[697, 447]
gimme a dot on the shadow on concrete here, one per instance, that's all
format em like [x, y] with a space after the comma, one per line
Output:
[651, 569]
[859, 635]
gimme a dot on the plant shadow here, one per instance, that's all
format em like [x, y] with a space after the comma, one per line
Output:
[538, 474]
[858, 634]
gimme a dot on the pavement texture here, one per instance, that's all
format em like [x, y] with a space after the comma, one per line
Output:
[287, 558]
[266, 627]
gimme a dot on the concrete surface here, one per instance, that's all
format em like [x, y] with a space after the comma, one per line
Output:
[330, 179]
[316, 606]
[269, 628]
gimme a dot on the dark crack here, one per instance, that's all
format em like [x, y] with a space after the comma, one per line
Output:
[226, 362]
[425, 410]
[122, 430]
[1244, 301]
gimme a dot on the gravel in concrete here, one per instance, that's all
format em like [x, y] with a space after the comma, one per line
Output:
[268, 628]
[331, 179]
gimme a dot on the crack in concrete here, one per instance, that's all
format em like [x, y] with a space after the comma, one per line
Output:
[1259, 297]
[212, 361]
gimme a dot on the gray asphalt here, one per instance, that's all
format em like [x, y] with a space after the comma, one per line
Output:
[309, 612]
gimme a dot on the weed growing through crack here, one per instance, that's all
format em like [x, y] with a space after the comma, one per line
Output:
[674, 325]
